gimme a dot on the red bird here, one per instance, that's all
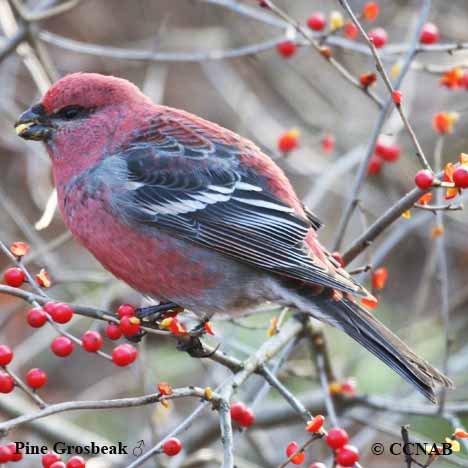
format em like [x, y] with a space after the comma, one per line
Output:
[186, 211]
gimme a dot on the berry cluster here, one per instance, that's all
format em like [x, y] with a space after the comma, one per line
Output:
[54, 460]
[345, 455]
[385, 151]
[10, 453]
[242, 415]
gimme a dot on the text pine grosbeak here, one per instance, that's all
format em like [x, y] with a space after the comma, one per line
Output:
[186, 211]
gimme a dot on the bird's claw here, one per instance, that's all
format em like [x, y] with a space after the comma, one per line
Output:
[138, 337]
[199, 329]
[194, 347]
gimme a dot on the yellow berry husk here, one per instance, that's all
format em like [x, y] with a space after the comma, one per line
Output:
[336, 20]
[208, 393]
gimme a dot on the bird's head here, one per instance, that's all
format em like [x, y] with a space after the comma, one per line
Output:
[82, 116]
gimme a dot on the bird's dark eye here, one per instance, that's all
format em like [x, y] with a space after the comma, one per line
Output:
[71, 112]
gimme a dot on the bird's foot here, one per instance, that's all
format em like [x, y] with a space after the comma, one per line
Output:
[194, 347]
[158, 311]
[138, 337]
[200, 328]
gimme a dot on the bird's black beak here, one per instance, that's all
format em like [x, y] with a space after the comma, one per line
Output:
[33, 124]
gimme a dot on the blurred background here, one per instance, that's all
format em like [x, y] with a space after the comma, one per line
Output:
[175, 51]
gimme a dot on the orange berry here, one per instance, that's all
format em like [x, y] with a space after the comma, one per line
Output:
[288, 141]
[19, 249]
[292, 448]
[379, 278]
[370, 11]
[315, 424]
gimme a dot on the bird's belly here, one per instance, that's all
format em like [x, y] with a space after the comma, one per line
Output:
[162, 266]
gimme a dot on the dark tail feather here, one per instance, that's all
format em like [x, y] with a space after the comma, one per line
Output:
[379, 340]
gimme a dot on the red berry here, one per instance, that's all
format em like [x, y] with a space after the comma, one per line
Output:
[124, 354]
[58, 464]
[237, 410]
[62, 346]
[464, 80]
[172, 446]
[379, 278]
[292, 448]
[336, 438]
[375, 165]
[317, 465]
[60, 312]
[76, 462]
[49, 458]
[317, 21]
[36, 378]
[286, 48]
[113, 331]
[424, 179]
[397, 96]
[429, 34]
[49, 306]
[126, 310]
[36, 317]
[130, 326]
[14, 277]
[390, 152]
[16, 455]
[351, 31]
[348, 387]
[6, 454]
[6, 355]
[347, 455]
[378, 36]
[328, 143]
[367, 79]
[370, 11]
[247, 418]
[7, 383]
[288, 141]
[92, 341]
[460, 177]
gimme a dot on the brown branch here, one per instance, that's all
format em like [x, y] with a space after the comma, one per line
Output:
[406, 443]
[106, 404]
[378, 226]
[36, 398]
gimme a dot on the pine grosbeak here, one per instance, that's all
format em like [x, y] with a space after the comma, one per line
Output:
[186, 211]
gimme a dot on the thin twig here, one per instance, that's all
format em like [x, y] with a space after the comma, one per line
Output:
[360, 177]
[311, 41]
[105, 404]
[442, 271]
[34, 396]
[388, 84]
